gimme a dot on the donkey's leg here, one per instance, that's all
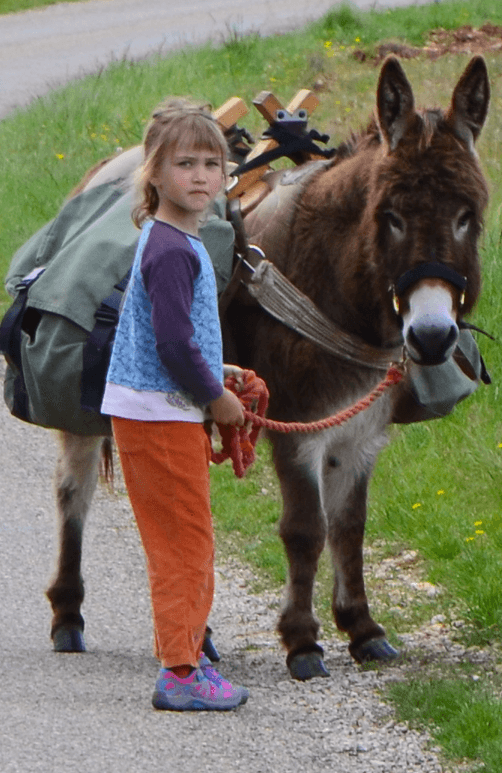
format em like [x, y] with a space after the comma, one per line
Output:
[303, 532]
[75, 482]
[344, 497]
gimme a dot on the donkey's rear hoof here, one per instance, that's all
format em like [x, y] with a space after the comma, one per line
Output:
[68, 640]
[374, 649]
[307, 665]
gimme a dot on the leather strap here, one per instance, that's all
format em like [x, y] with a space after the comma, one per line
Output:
[280, 298]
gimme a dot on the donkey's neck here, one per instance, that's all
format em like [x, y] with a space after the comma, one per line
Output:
[330, 257]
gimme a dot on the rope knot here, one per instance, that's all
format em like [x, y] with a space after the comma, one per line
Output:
[238, 443]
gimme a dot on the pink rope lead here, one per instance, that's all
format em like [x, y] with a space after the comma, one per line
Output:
[239, 444]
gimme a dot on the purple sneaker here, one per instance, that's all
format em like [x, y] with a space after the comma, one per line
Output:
[195, 693]
[216, 678]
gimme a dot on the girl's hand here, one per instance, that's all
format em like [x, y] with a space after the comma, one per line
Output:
[227, 409]
[236, 372]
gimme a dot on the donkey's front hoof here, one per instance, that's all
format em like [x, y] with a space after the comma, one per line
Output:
[307, 665]
[68, 640]
[374, 649]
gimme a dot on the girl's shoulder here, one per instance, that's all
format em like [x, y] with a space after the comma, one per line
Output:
[164, 239]
[167, 249]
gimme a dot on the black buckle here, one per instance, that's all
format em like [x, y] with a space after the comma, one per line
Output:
[106, 315]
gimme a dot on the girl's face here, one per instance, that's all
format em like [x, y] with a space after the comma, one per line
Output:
[187, 182]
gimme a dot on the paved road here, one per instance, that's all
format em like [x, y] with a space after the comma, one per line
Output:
[44, 48]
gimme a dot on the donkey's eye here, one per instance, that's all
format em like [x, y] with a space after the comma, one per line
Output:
[463, 221]
[395, 222]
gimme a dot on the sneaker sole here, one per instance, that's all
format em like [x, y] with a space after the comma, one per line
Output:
[161, 702]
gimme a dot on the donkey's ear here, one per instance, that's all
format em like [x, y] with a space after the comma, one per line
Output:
[395, 103]
[469, 104]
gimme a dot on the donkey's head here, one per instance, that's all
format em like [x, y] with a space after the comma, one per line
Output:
[428, 194]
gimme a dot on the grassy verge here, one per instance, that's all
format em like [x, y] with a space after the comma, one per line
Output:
[462, 713]
[15, 6]
[436, 490]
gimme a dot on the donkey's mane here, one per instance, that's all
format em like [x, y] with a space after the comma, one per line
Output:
[428, 120]
[359, 140]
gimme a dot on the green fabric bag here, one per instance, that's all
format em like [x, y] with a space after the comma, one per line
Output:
[86, 250]
[431, 392]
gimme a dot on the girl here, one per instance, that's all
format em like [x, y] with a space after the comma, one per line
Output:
[166, 368]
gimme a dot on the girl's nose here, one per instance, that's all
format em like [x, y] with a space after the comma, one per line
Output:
[200, 172]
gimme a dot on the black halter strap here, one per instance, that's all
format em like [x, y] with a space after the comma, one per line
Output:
[430, 271]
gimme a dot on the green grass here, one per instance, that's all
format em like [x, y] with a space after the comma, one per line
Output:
[14, 6]
[246, 512]
[461, 714]
[457, 534]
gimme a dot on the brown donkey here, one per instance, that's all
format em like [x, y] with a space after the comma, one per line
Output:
[398, 211]
[383, 240]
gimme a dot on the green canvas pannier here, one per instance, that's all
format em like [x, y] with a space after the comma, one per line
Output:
[57, 335]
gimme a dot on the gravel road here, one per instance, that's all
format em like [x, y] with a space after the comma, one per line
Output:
[92, 712]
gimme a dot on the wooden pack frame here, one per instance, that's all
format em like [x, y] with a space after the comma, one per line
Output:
[250, 187]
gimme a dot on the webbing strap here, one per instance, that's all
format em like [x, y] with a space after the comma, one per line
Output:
[97, 349]
[431, 270]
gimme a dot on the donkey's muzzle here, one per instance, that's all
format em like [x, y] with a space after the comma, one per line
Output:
[431, 342]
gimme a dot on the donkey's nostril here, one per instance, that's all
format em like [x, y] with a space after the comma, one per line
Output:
[431, 344]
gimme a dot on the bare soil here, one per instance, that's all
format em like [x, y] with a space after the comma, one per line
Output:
[464, 40]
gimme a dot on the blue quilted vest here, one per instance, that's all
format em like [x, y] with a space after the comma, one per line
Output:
[134, 362]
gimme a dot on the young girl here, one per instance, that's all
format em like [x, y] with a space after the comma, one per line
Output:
[166, 368]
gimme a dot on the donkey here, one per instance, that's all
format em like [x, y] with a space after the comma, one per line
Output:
[396, 213]
[383, 239]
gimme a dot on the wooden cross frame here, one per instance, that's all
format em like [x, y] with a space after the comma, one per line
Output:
[250, 188]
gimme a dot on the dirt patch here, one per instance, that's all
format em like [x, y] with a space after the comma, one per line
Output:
[464, 40]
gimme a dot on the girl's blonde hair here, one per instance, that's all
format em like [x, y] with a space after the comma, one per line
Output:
[174, 123]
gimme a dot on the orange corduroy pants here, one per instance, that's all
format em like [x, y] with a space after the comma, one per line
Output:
[166, 471]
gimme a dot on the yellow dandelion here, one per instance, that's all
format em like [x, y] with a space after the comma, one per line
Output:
[60, 156]
[499, 445]
[328, 44]
[342, 48]
[357, 40]
[441, 491]
[478, 523]
[417, 504]
[469, 539]
[479, 531]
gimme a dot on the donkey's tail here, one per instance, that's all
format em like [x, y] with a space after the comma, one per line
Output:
[106, 461]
